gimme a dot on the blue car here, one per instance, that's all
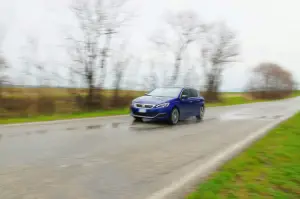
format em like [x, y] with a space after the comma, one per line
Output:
[169, 104]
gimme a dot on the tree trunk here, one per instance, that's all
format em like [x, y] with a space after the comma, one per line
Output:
[117, 86]
[211, 94]
[90, 95]
[1, 93]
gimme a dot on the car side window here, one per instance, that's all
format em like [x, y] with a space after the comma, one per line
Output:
[191, 93]
[194, 93]
[185, 92]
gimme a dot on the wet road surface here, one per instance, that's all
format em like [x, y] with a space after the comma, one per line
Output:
[116, 158]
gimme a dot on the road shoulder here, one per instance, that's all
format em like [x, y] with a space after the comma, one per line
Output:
[269, 168]
[184, 185]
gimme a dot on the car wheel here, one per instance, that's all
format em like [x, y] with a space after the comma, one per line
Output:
[174, 117]
[201, 113]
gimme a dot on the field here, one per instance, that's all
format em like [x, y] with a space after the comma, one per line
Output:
[21, 92]
[60, 92]
[270, 168]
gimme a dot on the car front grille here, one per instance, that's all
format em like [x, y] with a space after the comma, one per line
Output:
[138, 105]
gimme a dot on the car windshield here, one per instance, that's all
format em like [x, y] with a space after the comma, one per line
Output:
[165, 92]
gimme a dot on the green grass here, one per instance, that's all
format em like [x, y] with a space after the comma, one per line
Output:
[65, 116]
[296, 94]
[238, 98]
[270, 168]
[233, 100]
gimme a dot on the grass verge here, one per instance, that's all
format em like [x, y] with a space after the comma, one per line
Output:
[233, 100]
[66, 116]
[270, 168]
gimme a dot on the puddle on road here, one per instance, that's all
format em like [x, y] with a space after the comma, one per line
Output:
[156, 125]
[94, 127]
[108, 125]
[248, 115]
[115, 124]
[71, 128]
[146, 125]
[41, 131]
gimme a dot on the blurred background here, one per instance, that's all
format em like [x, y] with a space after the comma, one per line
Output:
[74, 56]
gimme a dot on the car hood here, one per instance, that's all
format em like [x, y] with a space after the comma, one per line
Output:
[152, 99]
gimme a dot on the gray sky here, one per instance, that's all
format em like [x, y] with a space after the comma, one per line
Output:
[268, 30]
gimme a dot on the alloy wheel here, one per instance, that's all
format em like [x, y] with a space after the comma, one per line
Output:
[175, 116]
[202, 112]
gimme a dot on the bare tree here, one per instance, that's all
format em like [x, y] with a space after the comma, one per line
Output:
[3, 76]
[85, 51]
[218, 49]
[115, 18]
[120, 63]
[269, 80]
[3, 63]
[185, 27]
[98, 22]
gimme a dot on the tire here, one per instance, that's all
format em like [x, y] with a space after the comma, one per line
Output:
[201, 113]
[174, 116]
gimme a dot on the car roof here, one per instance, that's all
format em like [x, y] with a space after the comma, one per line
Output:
[189, 88]
[180, 87]
[185, 87]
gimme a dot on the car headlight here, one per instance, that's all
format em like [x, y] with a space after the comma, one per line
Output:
[162, 105]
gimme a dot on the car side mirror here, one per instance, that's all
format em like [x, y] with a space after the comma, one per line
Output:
[184, 96]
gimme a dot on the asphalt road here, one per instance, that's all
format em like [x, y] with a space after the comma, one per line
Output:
[116, 158]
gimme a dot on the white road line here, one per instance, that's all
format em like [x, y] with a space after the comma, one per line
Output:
[210, 166]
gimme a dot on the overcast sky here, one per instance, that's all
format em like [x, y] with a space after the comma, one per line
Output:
[268, 30]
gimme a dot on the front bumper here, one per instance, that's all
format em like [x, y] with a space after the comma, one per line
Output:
[153, 113]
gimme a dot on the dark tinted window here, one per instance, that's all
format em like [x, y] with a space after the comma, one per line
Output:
[185, 92]
[194, 93]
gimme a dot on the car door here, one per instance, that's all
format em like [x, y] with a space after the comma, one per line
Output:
[196, 102]
[185, 104]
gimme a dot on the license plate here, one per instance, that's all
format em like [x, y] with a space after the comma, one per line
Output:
[142, 110]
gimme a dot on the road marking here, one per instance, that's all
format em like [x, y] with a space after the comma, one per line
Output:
[210, 166]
